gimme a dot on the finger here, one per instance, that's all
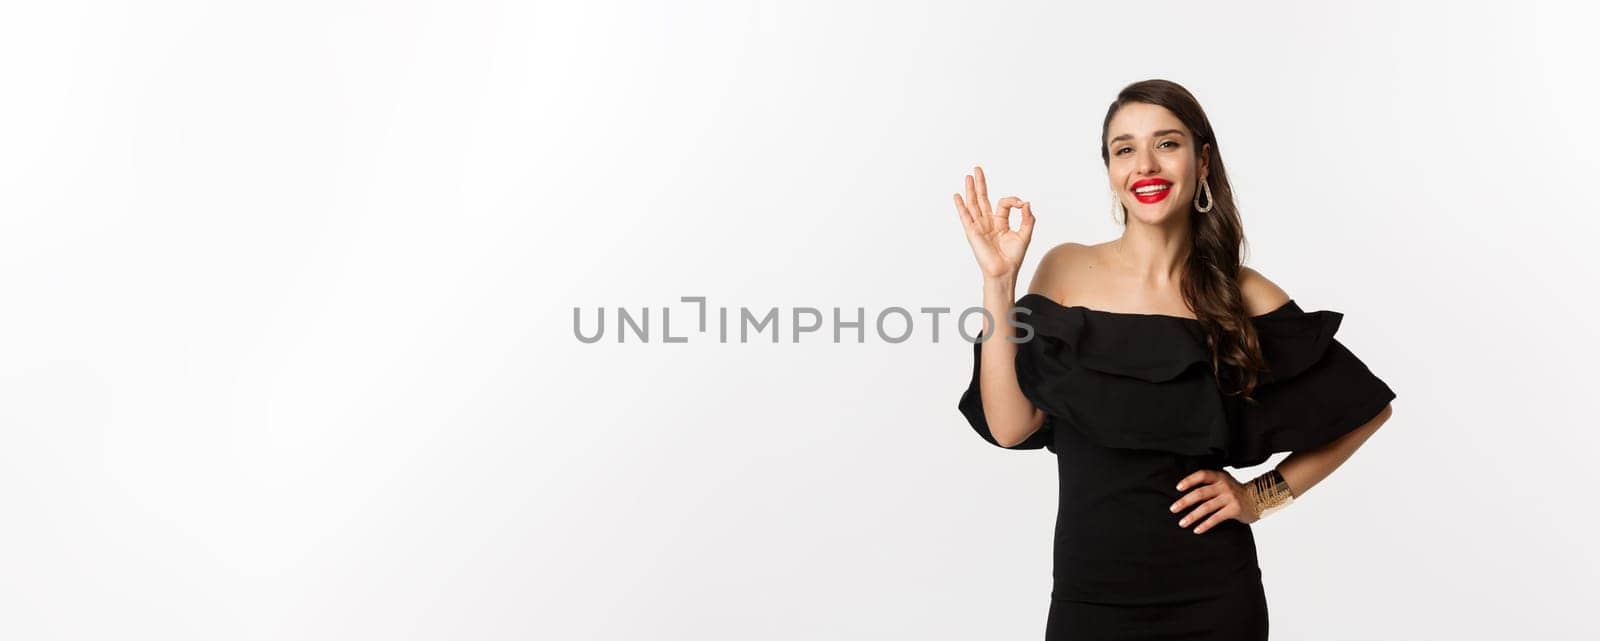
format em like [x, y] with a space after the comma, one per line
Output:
[1197, 495]
[1227, 512]
[1002, 215]
[1027, 221]
[1201, 511]
[961, 209]
[983, 190]
[972, 205]
[1196, 478]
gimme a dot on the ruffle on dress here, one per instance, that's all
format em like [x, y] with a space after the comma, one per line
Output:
[1144, 381]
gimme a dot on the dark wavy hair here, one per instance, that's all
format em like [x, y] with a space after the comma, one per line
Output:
[1211, 275]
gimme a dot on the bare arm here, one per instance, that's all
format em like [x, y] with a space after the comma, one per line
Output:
[1011, 416]
[999, 249]
[1226, 497]
[1304, 470]
[1007, 410]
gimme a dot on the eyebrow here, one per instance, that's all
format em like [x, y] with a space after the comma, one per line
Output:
[1158, 134]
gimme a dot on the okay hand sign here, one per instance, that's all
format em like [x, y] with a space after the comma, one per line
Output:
[998, 248]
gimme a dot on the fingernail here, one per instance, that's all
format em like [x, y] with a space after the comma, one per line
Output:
[1172, 509]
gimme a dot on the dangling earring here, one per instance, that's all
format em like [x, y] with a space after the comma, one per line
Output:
[1118, 214]
[1210, 201]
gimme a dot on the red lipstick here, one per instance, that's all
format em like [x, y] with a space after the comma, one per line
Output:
[1153, 197]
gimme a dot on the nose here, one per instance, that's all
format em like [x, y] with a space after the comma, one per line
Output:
[1146, 162]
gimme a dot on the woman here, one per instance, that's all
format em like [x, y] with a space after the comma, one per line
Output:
[1149, 363]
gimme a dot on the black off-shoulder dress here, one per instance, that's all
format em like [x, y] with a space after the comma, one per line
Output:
[1133, 407]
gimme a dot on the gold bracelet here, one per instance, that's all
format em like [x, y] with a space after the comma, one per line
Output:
[1269, 493]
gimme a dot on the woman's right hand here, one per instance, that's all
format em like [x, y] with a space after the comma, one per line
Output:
[998, 248]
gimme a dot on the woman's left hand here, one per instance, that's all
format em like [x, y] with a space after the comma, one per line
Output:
[1216, 493]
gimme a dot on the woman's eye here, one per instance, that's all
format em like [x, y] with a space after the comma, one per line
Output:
[1164, 142]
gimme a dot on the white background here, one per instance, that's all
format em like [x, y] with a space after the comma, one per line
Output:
[286, 344]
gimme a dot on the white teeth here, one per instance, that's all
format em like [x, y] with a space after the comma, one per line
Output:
[1151, 189]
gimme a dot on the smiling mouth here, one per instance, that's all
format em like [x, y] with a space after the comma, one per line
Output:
[1152, 193]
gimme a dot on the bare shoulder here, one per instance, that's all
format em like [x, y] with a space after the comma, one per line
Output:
[1260, 294]
[1050, 277]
